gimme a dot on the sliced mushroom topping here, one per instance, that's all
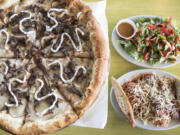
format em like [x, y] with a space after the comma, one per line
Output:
[80, 76]
[5, 108]
[48, 40]
[40, 29]
[34, 8]
[16, 31]
[3, 88]
[73, 90]
[41, 66]
[69, 70]
[17, 41]
[1, 15]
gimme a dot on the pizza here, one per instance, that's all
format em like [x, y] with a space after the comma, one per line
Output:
[153, 98]
[54, 59]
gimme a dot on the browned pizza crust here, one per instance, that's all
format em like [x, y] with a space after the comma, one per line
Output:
[48, 126]
[100, 73]
[9, 124]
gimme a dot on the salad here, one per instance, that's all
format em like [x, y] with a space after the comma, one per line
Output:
[155, 42]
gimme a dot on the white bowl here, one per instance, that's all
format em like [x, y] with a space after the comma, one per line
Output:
[131, 23]
[126, 56]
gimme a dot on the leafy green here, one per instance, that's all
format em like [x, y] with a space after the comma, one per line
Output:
[162, 37]
[157, 20]
[170, 38]
[166, 19]
[153, 61]
[143, 32]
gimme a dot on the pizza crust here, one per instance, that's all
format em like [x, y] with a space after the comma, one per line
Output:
[14, 123]
[9, 124]
[48, 126]
[100, 45]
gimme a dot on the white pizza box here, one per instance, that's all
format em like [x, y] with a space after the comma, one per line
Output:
[96, 115]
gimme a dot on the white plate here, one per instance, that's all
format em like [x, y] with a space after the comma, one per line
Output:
[126, 56]
[128, 77]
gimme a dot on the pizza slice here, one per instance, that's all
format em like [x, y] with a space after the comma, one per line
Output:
[47, 110]
[78, 79]
[13, 93]
[78, 34]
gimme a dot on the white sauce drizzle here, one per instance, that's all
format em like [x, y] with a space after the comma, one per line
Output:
[7, 38]
[6, 67]
[48, 37]
[79, 14]
[10, 90]
[5, 20]
[12, 16]
[30, 34]
[44, 97]
[79, 48]
[64, 11]
[61, 71]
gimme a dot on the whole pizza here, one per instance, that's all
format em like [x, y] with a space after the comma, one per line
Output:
[53, 62]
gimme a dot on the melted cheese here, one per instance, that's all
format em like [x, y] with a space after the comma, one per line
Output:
[64, 11]
[6, 67]
[7, 38]
[44, 97]
[61, 71]
[79, 48]
[147, 94]
[30, 34]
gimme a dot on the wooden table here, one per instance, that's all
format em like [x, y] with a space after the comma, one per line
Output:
[118, 9]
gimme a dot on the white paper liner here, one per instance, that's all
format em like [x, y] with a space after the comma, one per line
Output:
[96, 115]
